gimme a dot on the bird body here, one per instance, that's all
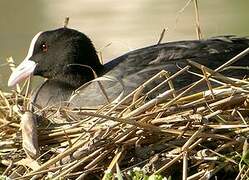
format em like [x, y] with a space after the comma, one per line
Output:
[68, 59]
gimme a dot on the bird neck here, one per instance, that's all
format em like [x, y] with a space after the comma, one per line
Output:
[77, 75]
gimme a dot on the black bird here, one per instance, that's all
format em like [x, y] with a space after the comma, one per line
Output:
[68, 59]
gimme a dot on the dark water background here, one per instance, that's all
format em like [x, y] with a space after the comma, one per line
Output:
[128, 24]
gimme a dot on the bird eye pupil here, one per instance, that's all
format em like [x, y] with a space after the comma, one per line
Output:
[44, 47]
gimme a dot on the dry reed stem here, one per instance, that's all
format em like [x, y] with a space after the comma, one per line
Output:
[12, 66]
[66, 21]
[150, 104]
[59, 157]
[211, 72]
[240, 172]
[114, 161]
[185, 165]
[197, 20]
[69, 169]
[196, 175]
[161, 36]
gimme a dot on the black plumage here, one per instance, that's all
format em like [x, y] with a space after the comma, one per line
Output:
[68, 59]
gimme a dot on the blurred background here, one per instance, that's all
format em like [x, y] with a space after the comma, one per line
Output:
[127, 25]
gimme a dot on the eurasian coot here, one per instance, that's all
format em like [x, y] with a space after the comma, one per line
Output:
[68, 59]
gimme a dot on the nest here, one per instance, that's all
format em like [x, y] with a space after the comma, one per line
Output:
[179, 134]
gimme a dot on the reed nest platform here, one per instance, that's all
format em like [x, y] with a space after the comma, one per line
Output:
[180, 134]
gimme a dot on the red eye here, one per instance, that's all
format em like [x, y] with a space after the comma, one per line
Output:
[44, 47]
